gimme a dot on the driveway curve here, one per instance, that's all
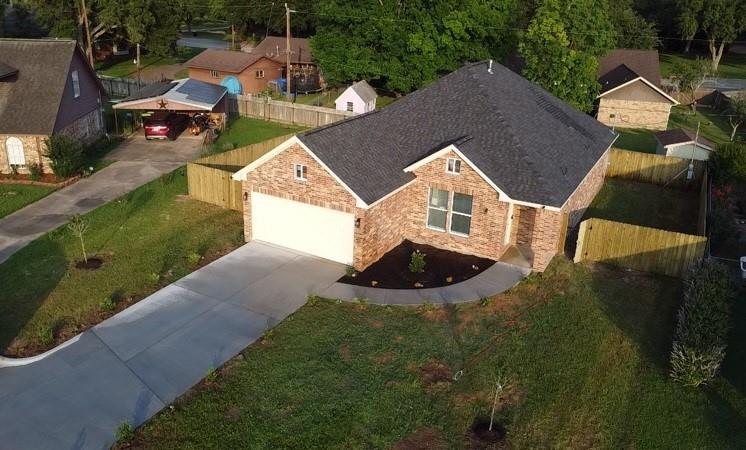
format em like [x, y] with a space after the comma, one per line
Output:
[132, 365]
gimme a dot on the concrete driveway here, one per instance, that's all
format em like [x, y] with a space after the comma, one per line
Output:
[131, 366]
[137, 162]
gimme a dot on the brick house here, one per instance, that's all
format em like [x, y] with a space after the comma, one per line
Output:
[631, 95]
[480, 162]
[251, 70]
[46, 87]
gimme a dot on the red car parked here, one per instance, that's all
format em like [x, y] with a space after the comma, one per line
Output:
[165, 127]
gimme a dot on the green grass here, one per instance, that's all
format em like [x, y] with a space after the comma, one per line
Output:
[123, 66]
[586, 353]
[713, 124]
[647, 205]
[15, 196]
[247, 131]
[636, 140]
[147, 239]
[731, 66]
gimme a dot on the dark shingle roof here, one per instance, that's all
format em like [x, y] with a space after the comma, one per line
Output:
[151, 90]
[533, 146]
[29, 102]
[642, 63]
[6, 70]
[232, 61]
[680, 136]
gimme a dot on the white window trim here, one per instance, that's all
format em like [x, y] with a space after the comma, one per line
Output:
[455, 161]
[350, 106]
[76, 83]
[449, 214]
[303, 169]
[17, 146]
[427, 204]
[259, 73]
[214, 74]
[452, 212]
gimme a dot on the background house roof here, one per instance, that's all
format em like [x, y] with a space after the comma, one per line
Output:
[29, 101]
[364, 91]
[533, 146]
[274, 48]
[643, 63]
[232, 61]
[186, 91]
[680, 136]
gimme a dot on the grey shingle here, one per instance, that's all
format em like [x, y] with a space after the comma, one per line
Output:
[29, 101]
[533, 146]
[364, 91]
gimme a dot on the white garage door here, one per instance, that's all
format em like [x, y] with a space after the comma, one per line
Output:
[323, 232]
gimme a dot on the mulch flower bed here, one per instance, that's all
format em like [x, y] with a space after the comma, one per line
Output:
[46, 179]
[442, 267]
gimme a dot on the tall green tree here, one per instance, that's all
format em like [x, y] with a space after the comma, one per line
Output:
[736, 113]
[561, 47]
[154, 23]
[60, 18]
[688, 18]
[722, 21]
[403, 45]
[632, 30]
[266, 17]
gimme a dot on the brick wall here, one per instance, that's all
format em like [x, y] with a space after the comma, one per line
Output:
[633, 114]
[587, 190]
[403, 215]
[248, 79]
[86, 128]
[33, 150]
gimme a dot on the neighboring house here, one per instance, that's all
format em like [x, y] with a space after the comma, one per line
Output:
[244, 72]
[358, 98]
[681, 143]
[631, 94]
[479, 162]
[46, 87]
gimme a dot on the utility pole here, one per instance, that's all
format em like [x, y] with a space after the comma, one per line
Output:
[233, 37]
[287, 46]
[89, 46]
[137, 61]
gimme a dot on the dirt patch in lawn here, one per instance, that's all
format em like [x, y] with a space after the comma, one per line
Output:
[442, 267]
[436, 375]
[423, 439]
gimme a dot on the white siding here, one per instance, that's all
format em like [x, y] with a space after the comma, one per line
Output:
[358, 105]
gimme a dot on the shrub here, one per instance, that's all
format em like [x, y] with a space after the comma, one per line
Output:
[45, 335]
[212, 375]
[729, 162]
[193, 258]
[701, 331]
[35, 171]
[65, 155]
[417, 262]
[124, 433]
[108, 305]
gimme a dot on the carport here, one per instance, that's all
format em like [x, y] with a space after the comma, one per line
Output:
[184, 96]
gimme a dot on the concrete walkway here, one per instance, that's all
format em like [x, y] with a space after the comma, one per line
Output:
[497, 279]
[136, 162]
[132, 365]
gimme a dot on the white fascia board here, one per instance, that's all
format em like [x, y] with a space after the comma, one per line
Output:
[502, 196]
[243, 173]
[654, 87]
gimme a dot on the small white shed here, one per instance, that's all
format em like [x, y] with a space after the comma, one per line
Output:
[681, 143]
[358, 98]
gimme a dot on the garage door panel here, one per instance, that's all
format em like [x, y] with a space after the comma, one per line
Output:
[311, 229]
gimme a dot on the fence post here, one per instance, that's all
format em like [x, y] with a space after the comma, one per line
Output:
[580, 247]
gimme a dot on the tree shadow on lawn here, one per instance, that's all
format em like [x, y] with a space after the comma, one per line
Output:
[27, 278]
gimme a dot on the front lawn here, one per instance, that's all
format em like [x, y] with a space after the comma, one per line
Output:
[585, 352]
[246, 131]
[15, 196]
[147, 239]
[731, 66]
[647, 205]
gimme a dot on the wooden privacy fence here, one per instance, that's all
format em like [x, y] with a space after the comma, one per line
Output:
[640, 248]
[209, 179]
[284, 112]
[655, 169]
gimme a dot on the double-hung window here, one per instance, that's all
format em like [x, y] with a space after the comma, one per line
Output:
[301, 171]
[453, 166]
[449, 211]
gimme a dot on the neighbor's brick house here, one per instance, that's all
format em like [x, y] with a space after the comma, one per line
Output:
[254, 68]
[46, 87]
[387, 184]
[631, 95]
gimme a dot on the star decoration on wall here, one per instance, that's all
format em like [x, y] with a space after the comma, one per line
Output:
[162, 104]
